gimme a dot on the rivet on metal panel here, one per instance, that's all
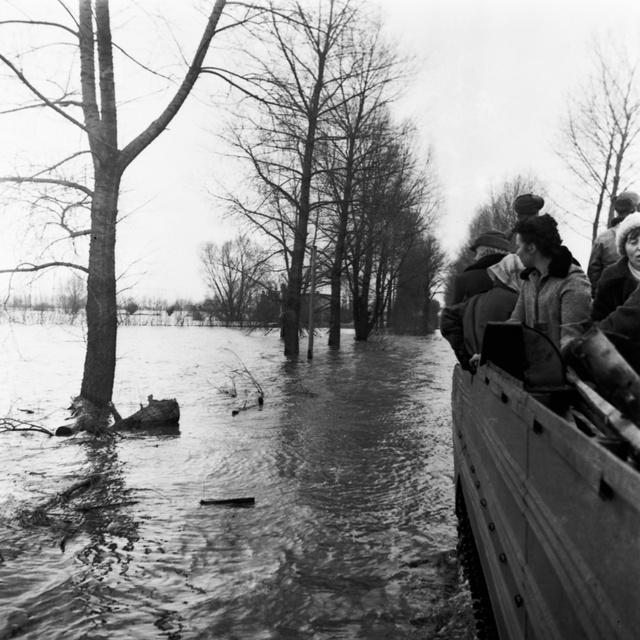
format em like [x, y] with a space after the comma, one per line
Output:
[477, 484]
[483, 502]
[503, 558]
[518, 600]
[492, 527]
[473, 469]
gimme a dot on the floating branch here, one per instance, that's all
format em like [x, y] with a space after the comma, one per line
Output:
[110, 505]
[232, 392]
[11, 424]
[244, 372]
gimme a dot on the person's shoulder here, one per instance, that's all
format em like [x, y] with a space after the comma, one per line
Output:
[605, 235]
[576, 280]
[616, 271]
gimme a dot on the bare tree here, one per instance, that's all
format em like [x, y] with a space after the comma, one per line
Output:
[236, 273]
[370, 86]
[73, 296]
[393, 206]
[91, 108]
[599, 135]
[420, 277]
[294, 80]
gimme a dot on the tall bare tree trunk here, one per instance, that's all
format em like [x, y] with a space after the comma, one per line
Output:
[338, 255]
[293, 301]
[101, 124]
[102, 318]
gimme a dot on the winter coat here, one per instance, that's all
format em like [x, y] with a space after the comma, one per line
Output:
[603, 254]
[474, 279]
[495, 305]
[557, 302]
[625, 320]
[614, 287]
[463, 324]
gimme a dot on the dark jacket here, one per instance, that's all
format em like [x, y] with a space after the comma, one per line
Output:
[474, 279]
[604, 253]
[625, 320]
[463, 324]
[615, 285]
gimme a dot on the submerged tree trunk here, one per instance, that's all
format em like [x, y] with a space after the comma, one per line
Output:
[338, 256]
[293, 301]
[102, 314]
[336, 276]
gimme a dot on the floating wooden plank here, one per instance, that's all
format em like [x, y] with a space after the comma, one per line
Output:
[230, 501]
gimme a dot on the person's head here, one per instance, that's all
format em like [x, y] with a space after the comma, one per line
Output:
[527, 205]
[628, 239]
[507, 272]
[537, 237]
[627, 202]
[489, 242]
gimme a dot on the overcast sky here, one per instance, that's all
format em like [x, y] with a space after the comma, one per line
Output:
[495, 87]
[494, 81]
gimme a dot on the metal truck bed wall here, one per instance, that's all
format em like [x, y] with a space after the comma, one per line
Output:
[554, 514]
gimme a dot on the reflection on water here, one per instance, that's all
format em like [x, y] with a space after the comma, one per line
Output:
[349, 460]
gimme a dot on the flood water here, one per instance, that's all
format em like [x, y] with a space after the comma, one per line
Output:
[352, 534]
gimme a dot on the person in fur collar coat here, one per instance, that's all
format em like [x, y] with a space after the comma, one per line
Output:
[556, 294]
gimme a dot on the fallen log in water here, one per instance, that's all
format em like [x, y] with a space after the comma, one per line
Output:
[157, 412]
[95, 420]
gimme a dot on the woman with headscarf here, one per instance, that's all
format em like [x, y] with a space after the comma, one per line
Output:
[463, 324]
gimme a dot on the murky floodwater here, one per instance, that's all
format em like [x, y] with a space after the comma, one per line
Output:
[352, 534]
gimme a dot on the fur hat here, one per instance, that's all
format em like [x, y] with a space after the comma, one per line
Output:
[528, 204]
[493, 239]
[629, 224]
[626, 202]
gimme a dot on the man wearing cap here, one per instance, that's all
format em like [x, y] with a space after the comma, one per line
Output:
[604, 252]
[490, 248]
[525, 206]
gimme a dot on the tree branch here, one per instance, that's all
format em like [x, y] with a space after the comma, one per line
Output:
[144, 139]
[40, 95]
[27, 267]
[34, 180]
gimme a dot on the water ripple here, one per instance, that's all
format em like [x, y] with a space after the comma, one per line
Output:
[349, 462]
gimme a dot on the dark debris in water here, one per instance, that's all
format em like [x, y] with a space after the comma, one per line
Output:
[95, 504]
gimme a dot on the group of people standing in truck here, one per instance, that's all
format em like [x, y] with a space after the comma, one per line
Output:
[529, 276]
